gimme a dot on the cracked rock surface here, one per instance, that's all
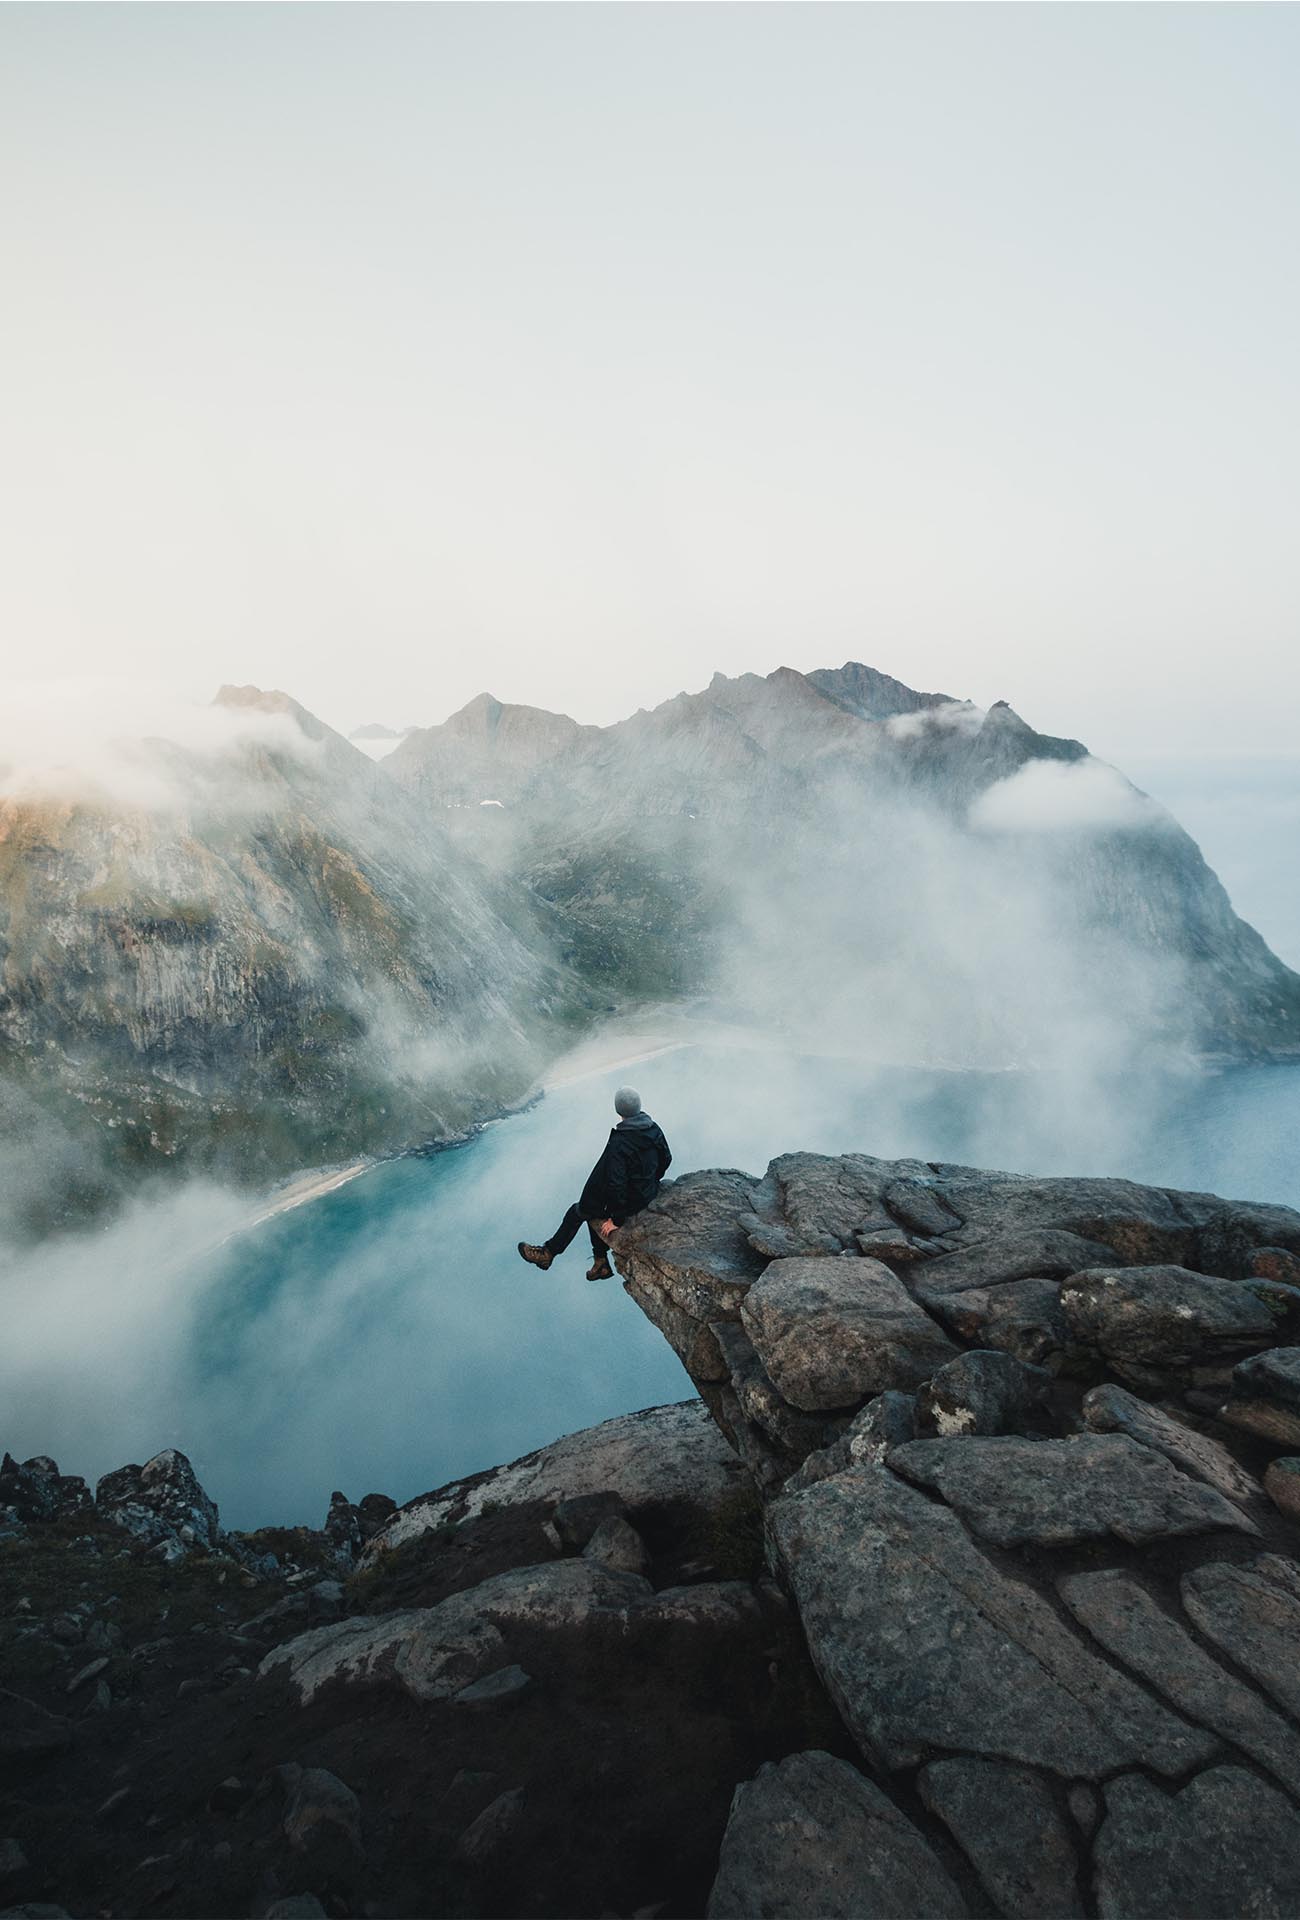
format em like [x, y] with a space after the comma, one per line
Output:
[1012, 1437]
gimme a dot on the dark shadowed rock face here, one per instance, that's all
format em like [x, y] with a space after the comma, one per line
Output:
[1058, 1618]
[811, 1835]
[1265, 1397]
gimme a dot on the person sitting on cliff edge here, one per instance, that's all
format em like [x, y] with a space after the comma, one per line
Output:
[624, 1179]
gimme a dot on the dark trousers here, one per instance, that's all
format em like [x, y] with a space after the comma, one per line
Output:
[567, 1230]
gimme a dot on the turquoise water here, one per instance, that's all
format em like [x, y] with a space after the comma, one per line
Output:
[387, 1336]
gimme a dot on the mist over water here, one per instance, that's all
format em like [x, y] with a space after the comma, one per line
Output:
[387, 1337]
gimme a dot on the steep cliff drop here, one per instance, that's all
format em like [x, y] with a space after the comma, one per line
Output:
[1024, 1460]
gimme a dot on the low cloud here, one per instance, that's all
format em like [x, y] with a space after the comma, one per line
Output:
[1064, 796]
[954, 716]
[132, 746]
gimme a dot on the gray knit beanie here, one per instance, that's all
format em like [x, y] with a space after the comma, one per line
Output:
[627, 1101]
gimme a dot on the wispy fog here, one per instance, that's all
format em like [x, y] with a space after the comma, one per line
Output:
[127, 745]
[388, 1337]
[1245, 814]
[1064, 796]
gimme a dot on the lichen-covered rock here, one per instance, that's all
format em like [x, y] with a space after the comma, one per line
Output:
[34, 1490]
[926, 1647]
[809, 1836]
[1006, 1821]
[831, 1332]
[160, 1501]
[433, 1652]
[343, 1528]
[1150, 1322]
[983, 1391]
[886, 1422]
[1265, 1396]
[662, 1456]
[1226, 1844]
[1058, 1492]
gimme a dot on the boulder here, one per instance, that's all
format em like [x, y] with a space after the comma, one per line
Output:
[1236, 1230]
[1252, 1612]
[886, 1422]
[493, 1828]
[159, 1501]
[343, 1528]
[1136, 1223]
[832, 1332]
[1282, 1485]
[686, 1260]
[1005, 1820]
[1129, 1622]
[1274, 1263]
[500, 1689]
[1150, 1322]
[758, 1398]
[617, 1545]
[925, 1647]
[895, 1246]
[1017, 1492]
[661, 1457]
[1228, 1843]
[1040, 1253]
[810, 1836]
[1110, 1409]
[577, 1519]
[320, 1806]
[920, 1205]
[374, 1510]
[984, 1391]
[1265, 1396]
[434, 1652]
[1020, 1317]
[773, 1240]
[829, 1197]
[34, 1490]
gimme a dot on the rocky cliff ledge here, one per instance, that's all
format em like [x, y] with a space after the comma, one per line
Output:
[1026, 1452]
[976, 1593]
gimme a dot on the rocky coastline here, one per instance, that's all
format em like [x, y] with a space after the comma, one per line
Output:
[969, 1585]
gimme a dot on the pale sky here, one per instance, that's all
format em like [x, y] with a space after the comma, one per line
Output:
[385, 354]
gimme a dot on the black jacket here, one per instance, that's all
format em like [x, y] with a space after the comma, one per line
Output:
[626, 1177]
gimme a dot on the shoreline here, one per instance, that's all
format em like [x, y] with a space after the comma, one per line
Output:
[603, 1052]
[583, 1062]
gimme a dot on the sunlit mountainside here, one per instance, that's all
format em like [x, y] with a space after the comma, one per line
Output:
[270, 952]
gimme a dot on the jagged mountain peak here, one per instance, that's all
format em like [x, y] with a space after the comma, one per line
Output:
[871, 694]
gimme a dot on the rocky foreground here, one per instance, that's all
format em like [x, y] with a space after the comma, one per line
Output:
[973, 1591]
[1028, 1454]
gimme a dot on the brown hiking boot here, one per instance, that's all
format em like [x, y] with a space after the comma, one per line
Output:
[601, 1270]
[535, 1256]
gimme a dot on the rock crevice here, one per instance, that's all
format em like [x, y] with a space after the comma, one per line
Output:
[1023, 1446]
